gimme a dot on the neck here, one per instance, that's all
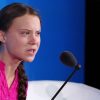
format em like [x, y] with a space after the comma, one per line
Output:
[11, 64]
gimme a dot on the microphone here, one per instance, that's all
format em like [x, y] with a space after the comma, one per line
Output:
[67, 58]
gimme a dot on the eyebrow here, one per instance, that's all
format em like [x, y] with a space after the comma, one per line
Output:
[29, 30]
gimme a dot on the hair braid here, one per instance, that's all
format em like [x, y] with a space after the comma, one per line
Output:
[22, 89]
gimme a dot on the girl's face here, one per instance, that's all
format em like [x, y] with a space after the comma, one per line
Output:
[22, 40]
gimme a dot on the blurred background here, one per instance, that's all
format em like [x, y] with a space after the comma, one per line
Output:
[67, 25]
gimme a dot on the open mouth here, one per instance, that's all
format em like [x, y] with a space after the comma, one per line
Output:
[31, 51]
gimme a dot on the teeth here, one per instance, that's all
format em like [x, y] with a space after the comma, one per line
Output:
[33, 50]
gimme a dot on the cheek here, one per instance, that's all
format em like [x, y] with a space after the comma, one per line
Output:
[14, 45]
[39, 42]
[13, 48]
[16, 50]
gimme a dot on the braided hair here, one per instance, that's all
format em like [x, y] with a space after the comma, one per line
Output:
[7, 15]
[22, 83]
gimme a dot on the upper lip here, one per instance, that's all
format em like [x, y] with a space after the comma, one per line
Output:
[31, 49]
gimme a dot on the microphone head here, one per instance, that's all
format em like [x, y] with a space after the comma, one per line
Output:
[68, 59]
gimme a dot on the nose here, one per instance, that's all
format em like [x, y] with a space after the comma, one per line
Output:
[33, 38]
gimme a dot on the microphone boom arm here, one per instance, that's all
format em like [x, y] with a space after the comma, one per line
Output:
[77, 67]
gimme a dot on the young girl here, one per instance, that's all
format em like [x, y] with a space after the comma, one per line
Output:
[19, 41]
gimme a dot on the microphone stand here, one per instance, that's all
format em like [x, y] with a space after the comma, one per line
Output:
[77, 67]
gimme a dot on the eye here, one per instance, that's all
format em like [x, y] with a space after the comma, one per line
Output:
[37, 33]
[25, 32]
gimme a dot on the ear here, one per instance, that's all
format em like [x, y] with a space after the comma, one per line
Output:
[2, 36]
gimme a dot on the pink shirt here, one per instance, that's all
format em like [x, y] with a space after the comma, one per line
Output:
[5, 92]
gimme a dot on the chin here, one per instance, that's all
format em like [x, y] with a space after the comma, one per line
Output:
[30, 59]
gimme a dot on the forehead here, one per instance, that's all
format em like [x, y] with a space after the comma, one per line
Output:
[26, 22]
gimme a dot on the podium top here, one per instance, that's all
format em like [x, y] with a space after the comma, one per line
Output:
[44, 90]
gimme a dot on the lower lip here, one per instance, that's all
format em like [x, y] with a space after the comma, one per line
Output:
[31, 52]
